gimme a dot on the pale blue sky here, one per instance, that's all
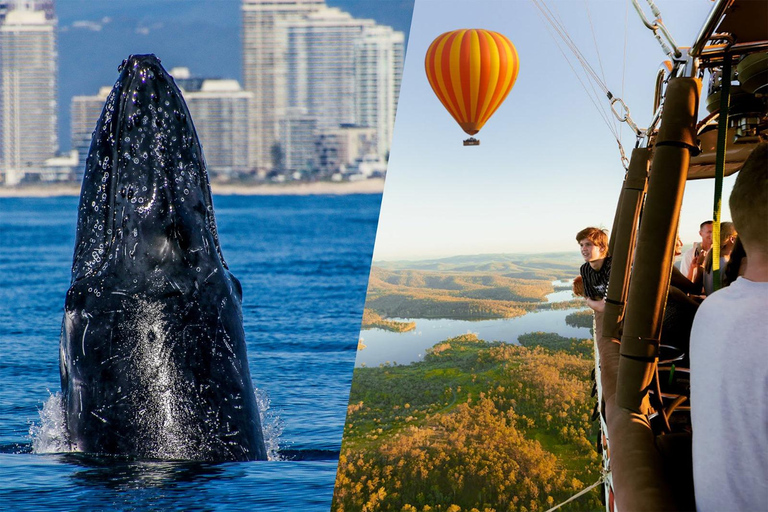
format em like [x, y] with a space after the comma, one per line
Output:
[547, 165]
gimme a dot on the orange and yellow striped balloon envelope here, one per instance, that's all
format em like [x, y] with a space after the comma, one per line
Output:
[471, 72]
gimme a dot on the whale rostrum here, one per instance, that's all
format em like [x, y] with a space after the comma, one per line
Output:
[153, 357]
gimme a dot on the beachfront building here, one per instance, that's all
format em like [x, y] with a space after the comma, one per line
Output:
[264, 67]
[28, 90]
[303, 56]
[219, 109]
[297, 143]
[341, 150]
[64, 167]
[320, 62]
[379, 56]
[84, 113]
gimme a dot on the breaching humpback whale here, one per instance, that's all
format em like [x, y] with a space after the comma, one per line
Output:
[152, 356]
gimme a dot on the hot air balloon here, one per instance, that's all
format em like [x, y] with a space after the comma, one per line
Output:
[471, 72]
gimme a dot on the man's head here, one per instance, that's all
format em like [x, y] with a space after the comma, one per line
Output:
[728, 236]
[749, 203]
[705, 232]
[593, 243]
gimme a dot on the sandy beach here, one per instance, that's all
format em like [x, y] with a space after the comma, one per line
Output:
[373, 186]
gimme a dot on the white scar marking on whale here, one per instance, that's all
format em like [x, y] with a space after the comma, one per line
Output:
[99, 417]
[85, 331]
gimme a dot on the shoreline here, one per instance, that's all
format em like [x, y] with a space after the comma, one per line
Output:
[372, 186]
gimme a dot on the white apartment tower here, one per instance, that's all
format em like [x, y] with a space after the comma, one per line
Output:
[379, 56]
[28, 88]
[297, 141]
[301, 56]
[85, 112]
[321, 65]
[219, 109]
[264, 67]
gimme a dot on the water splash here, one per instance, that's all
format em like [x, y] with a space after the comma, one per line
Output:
[50, 435]
[271, 425]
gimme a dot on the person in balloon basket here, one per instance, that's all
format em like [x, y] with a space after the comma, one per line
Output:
[729, 374]
[592, 283]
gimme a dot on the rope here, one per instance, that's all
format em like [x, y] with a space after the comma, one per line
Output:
[591, 97]
[563, 33]
[624, 55]
[553, 23]
[617, 131]
[594, 40]
[577, 495]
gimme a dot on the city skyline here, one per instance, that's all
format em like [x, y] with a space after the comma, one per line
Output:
[333, 72]
[306, 61]
[94, 37]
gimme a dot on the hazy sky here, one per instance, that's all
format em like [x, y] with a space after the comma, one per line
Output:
[547, 165]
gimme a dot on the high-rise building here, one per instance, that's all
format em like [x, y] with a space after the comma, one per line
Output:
[297, 141]
[28, 89]
[320, 61]
[85, 112]
[219, 109]
[379, 55]
[303, 56]
[264, 67]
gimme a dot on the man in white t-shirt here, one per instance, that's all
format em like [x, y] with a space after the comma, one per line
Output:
[729, 364]
[698, 251]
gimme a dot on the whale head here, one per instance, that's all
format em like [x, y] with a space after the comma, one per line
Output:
[145, 188]
[152, 356]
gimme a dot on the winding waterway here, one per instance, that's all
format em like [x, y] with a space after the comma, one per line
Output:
[382, 347]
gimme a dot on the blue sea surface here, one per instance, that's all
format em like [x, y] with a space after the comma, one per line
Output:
[303, 263]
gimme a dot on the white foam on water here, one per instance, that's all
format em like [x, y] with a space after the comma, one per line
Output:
[50, 435]
[271, 424]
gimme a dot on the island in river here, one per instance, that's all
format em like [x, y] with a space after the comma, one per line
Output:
[478, 424]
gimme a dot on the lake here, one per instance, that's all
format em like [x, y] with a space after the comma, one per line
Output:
[303, 263]
[384, 346]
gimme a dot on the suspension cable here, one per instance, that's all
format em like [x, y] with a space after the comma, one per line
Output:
[624, 55]
[554, 24]
[579, 494]
[594, 94]
[658, 29]
[594, 39]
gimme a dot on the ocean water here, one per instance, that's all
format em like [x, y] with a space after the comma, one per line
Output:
[303, 263]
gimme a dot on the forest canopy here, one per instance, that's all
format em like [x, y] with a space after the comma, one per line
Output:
[477, 425]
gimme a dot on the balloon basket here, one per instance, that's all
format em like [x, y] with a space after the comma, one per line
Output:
[472, 142]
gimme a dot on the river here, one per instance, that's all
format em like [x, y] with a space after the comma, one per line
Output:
[382, 346]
